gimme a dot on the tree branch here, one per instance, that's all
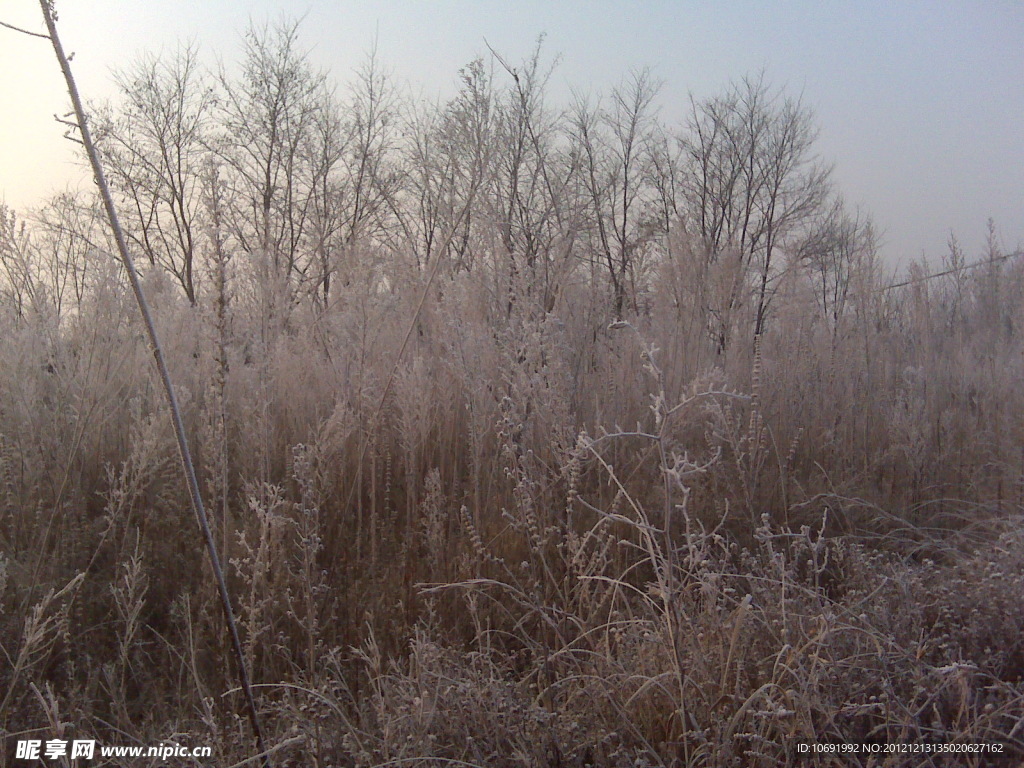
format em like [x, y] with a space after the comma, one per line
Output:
[24, 31]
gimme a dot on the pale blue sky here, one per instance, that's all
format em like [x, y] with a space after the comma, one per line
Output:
[920, 104]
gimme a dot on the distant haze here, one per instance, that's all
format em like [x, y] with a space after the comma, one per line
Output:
[920, 105]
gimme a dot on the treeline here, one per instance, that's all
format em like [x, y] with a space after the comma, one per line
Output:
[269, 170]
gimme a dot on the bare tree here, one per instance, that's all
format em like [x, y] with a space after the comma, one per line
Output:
[18, 285]
[837, 251]
[154, 144]
[532, 201]
[325, 151]
[448, 159]
[614, 148]
[68, 233]
[364, 178]
[428, 184]
[753, 183]
[667, 172]
[269, 118]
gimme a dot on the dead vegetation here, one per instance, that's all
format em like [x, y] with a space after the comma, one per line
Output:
[573, 489]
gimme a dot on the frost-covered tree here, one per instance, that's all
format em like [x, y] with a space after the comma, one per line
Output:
[754, 182]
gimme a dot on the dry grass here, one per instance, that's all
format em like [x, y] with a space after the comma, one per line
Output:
[803, 543]
[542, 536]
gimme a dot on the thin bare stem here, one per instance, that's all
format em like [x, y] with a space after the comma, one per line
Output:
[28, 32]
[161, 364]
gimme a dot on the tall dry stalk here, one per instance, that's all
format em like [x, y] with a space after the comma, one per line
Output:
[49, 16]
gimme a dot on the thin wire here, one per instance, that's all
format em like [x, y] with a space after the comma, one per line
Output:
[952, 270]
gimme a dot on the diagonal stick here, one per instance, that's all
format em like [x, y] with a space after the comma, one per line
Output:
[165, 376]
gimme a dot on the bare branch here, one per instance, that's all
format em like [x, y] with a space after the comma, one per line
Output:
[24, 31]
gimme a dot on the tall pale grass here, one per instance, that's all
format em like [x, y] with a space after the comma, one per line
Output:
[572, 531]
